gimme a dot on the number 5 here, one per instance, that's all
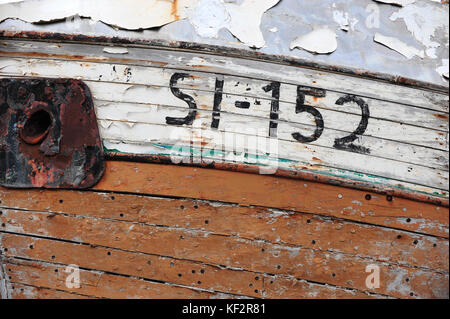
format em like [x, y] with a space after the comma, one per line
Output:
[302, 91]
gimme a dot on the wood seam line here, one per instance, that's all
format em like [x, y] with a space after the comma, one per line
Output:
[313, 215]
[188, 230]
[12, 259]
[184, 87]
[233, 204]
[54, 289]
[33, 36]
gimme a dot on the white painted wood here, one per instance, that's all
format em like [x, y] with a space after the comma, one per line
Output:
[236, 66]
[407, 132]
[239, 86]
[156, 114]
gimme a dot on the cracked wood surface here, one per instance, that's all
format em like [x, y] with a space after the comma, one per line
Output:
[186, 244]
[404, 147]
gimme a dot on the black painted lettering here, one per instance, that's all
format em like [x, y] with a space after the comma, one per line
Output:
[346, 143]
[242, 104]
[189, 119]
[218, 93]
[275, 106]
[301, 107]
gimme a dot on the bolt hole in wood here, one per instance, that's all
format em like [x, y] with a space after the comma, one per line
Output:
[36, 127]
[61, 201]
[368, 197]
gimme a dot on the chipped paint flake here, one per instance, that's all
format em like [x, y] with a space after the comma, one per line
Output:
[423, 21]
[321, 40]
[131, 14]
[242, 20]
[115, 50]
[246, 20]
[399, 46]
[209, 17]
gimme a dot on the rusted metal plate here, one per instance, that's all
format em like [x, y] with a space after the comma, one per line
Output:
[48, 134]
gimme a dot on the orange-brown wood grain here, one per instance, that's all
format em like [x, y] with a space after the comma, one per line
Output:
[276, 192]
[99, 284]
[275, 226]
[21, 291]
[181, 272]
[165, 231]
[338, 269]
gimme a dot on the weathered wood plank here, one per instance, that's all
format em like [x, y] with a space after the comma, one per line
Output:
[262, 108]
[206, 145]
[21, 291]
[288, 288]
[165, 269]
[326, 267]
[157, 268]
[403, 145]
[306, 197]
[255, 223]
[131, 114]
[234, 86]
[234, 66]
[97, 283]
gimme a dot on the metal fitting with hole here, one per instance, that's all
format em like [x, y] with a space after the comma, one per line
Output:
[48, 134]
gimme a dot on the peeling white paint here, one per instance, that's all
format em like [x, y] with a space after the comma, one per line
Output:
[423, 21]
[115, 50]
[321, 40]
[209, 17]
[399, 46]
[131, 14]
[242, 20]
